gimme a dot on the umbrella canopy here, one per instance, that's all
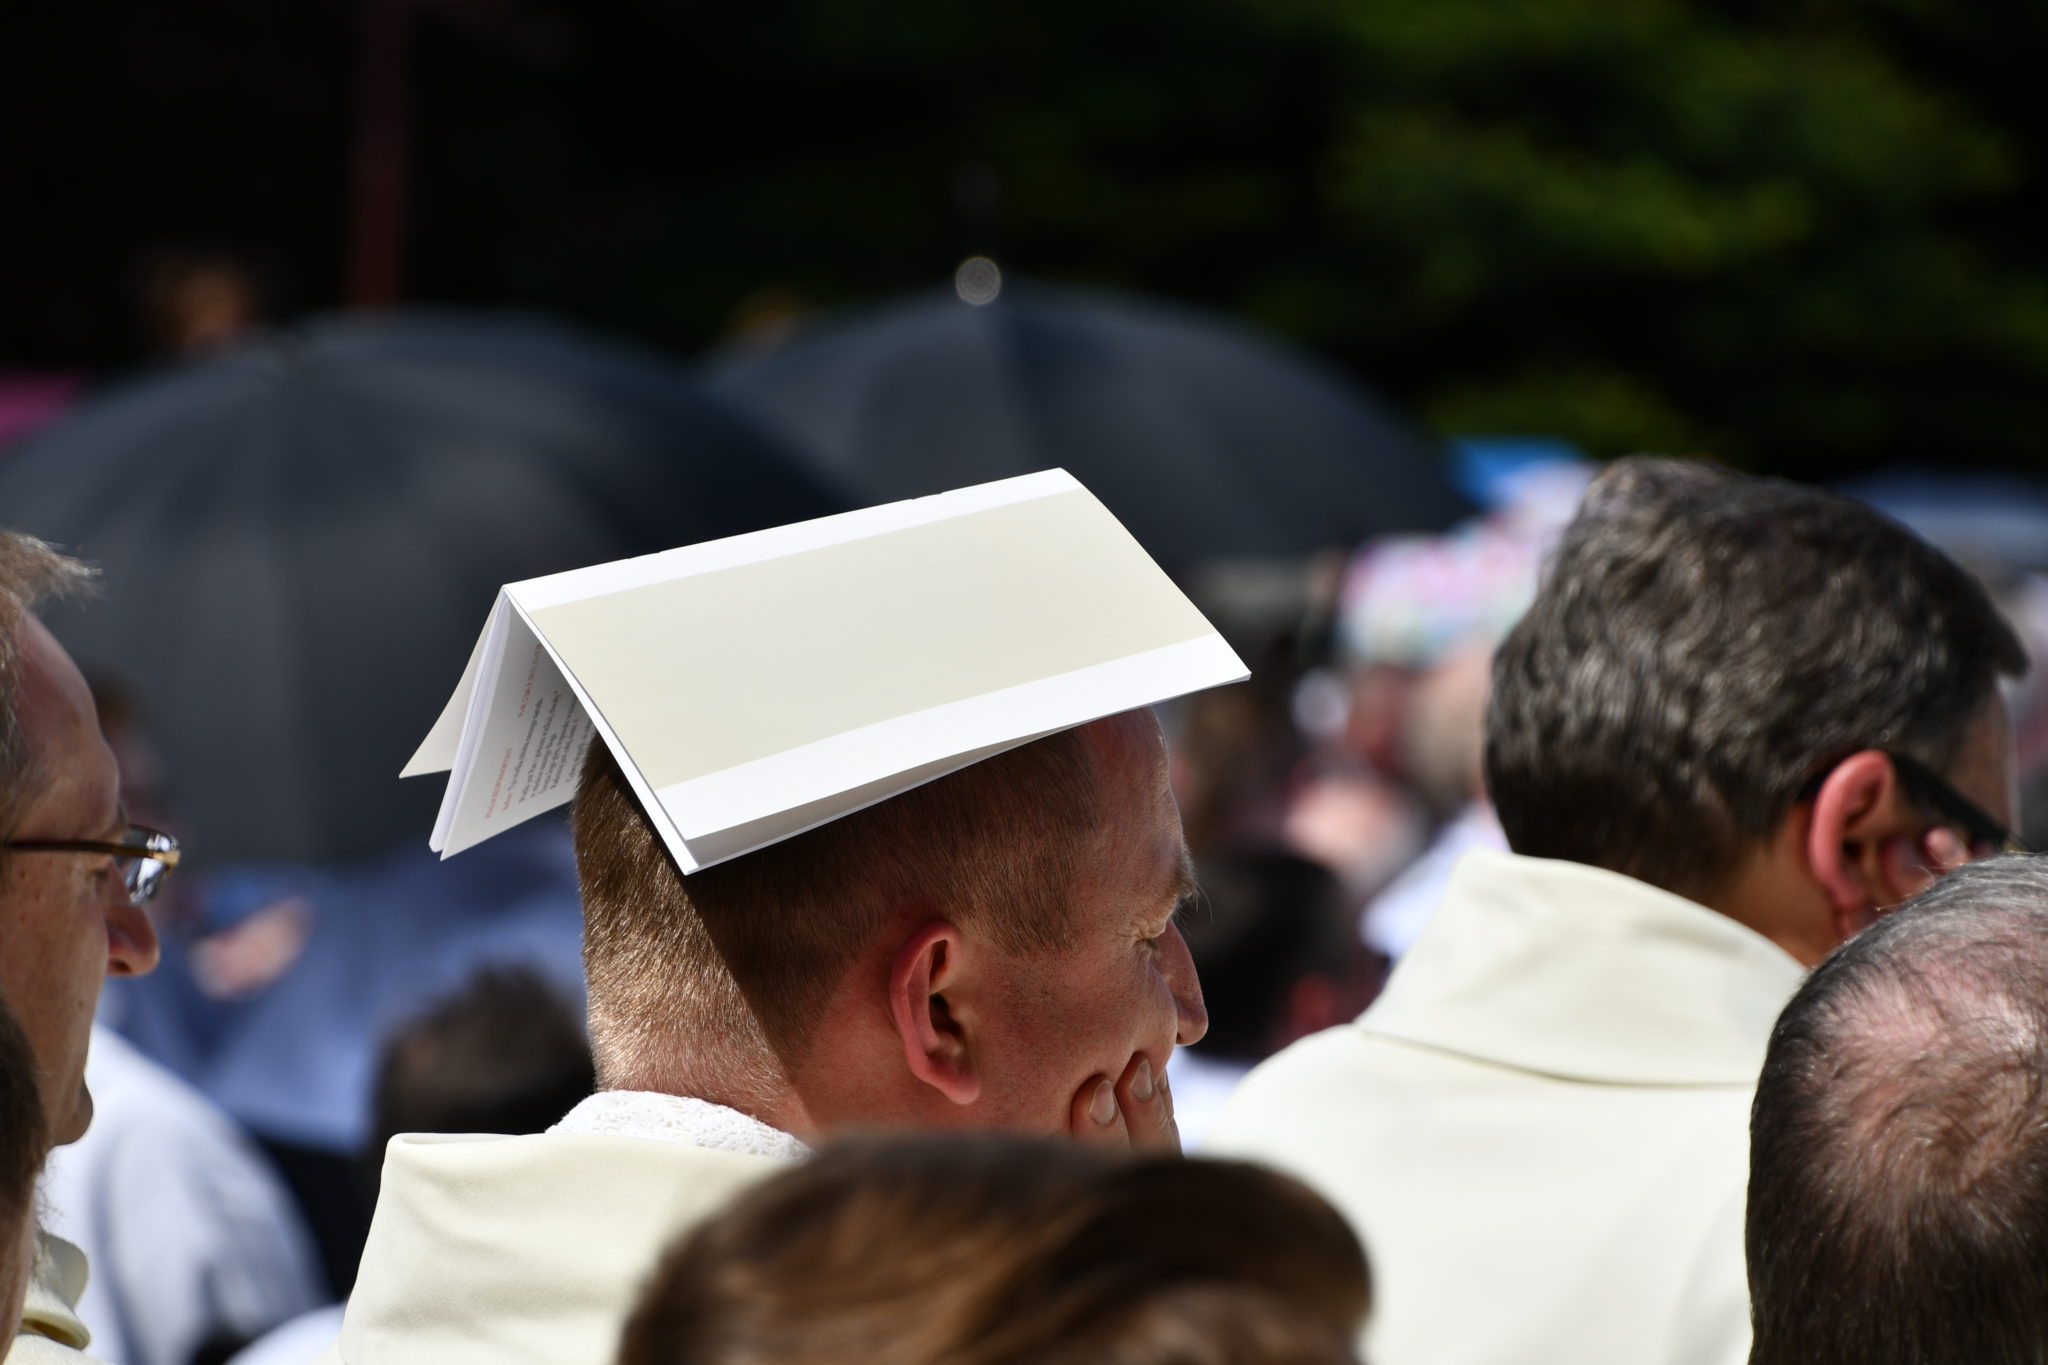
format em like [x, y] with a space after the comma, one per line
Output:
[300, 536]
[1207, 439]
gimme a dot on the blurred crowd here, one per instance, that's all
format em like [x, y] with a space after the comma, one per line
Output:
[1498, 912]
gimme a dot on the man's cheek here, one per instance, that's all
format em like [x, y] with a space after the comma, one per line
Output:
[1029, 1086]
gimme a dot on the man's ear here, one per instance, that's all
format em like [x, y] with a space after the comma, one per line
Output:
[1863, 842]
[935, 1043]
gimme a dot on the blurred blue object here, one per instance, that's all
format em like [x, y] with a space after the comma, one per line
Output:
[1491, 470]
[301, 536]
[1983, 517]
[1207, 439]
[295, 1060]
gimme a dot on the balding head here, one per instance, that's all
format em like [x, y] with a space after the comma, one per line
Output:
[1898, 1198]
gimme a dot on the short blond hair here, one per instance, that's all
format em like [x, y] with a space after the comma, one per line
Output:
[740, 959]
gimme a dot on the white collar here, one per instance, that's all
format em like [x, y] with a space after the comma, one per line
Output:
[1572, 971]
[681, 1120]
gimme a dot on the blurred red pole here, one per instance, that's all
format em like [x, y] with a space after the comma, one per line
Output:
[376, 247]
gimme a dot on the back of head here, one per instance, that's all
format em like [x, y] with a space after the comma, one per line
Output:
[1898, 1197]
[1703, 645]
[733, 966]
[1264, 921]
[994, 1251]
[1204, 1324]
[502, 1055]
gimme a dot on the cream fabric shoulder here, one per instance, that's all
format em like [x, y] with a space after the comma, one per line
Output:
[1541, 1129]
[51, 1332]
[507, 1250]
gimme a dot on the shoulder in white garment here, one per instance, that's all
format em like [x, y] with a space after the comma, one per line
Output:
[190, 1233]
[297, 1342]
[1544, 1115]
[51, 1332]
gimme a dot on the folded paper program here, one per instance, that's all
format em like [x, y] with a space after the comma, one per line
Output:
[756, 687]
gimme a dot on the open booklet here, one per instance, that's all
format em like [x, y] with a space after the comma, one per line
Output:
[756, 687]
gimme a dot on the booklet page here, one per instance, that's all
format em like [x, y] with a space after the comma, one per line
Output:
[531, 737]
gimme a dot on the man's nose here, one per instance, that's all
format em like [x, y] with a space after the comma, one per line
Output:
[132, 947]
[1192, 1016]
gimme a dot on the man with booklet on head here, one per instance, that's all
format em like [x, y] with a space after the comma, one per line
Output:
[993, 948]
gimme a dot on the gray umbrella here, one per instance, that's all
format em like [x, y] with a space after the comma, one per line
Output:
[1206, 438]
[300, 538]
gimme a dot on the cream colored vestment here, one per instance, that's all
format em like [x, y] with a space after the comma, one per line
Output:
[523, 1250]
[1541, 1128]
[51, 1332]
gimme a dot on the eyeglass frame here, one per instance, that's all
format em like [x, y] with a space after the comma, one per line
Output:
[1979, 825]
[1929, 790]
[155, 846]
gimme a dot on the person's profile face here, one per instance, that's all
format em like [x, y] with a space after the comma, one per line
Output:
[65, 918]
[1125, 986]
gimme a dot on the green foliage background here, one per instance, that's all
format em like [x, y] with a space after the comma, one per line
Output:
[1804, 236]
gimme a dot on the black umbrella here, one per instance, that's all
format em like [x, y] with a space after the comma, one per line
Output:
[1207, 439]
[301, 537]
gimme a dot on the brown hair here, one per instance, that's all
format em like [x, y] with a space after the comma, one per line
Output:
[999, 1251]
[30, 571]
[504, 1053]
[747, 952]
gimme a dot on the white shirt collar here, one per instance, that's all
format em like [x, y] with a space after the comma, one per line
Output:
[1576, 972]
[681, 1120]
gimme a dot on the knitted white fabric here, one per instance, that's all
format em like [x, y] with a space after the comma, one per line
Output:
[677, 1119]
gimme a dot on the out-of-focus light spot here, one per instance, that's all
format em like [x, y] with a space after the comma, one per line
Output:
[978, 281]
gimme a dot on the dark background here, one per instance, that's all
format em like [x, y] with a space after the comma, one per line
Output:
[1804, 237]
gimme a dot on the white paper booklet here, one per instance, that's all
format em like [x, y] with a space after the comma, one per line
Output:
[756, 687]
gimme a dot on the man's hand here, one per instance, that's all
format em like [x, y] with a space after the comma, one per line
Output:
[1136, 1111]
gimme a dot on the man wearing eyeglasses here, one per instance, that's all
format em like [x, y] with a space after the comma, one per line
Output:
[1741, 721]
[74, 876]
